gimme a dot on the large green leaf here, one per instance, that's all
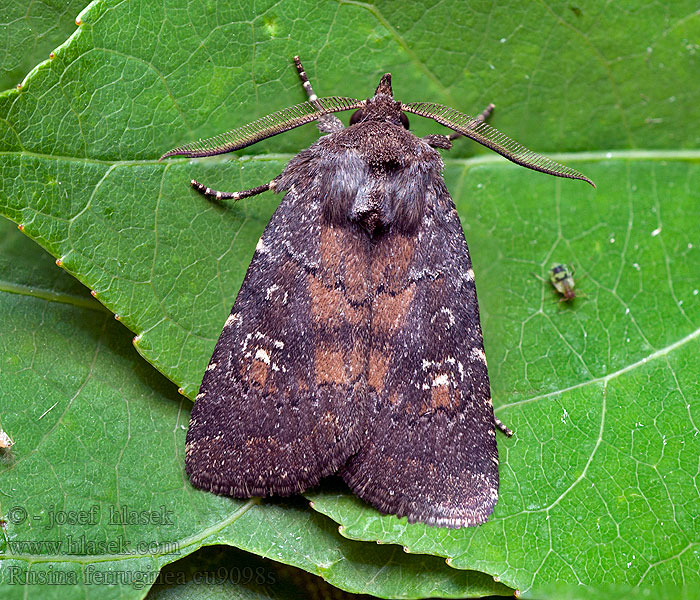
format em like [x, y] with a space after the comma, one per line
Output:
[99, 441]
[29, 31]
[222, 573]
[594, 390]
[599, 483]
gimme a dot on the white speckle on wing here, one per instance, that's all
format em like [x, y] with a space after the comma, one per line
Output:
[441, 379]
[478, 354]
[450, 316]
[262, 355]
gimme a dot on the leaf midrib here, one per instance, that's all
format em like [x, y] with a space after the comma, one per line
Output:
[589, 156]
[51, 296]
[605, 379]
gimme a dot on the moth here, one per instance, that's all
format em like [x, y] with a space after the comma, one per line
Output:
[354, 345]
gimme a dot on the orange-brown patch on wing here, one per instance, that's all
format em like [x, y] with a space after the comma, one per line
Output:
[442, 396]
[332, 249]
[389, 311]
[344, 258]
[393, 261]
[330, 366]
[378, 365]
[357, 283]
[330, 307]
[258, 372]
[357, 362]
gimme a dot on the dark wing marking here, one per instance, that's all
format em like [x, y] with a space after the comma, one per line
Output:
[280, 404]
[431, 451]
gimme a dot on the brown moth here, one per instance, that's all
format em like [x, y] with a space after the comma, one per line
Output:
[354, 345]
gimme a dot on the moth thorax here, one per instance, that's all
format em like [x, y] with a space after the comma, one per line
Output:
[370, 210]
[371, 221]
[381, 108]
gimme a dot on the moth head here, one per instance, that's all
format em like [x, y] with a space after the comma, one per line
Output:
[384, 87]
[381, 107]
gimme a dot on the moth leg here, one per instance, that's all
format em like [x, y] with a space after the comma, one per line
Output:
[445, 141]
[437, 140]
[328, 123]
[203, 189]
[501, 426]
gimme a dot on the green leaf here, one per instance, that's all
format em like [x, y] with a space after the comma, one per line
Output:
[29, 31]
[612, 591]
[94, 490]
[221, 572]
[598, 483]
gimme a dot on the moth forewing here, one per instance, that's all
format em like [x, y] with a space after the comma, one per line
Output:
[354, 345]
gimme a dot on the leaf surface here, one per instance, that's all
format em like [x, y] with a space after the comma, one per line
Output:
[29, 31]
[599, 482]
[93, 492]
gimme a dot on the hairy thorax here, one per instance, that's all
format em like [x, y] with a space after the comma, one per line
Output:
[375, 175]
